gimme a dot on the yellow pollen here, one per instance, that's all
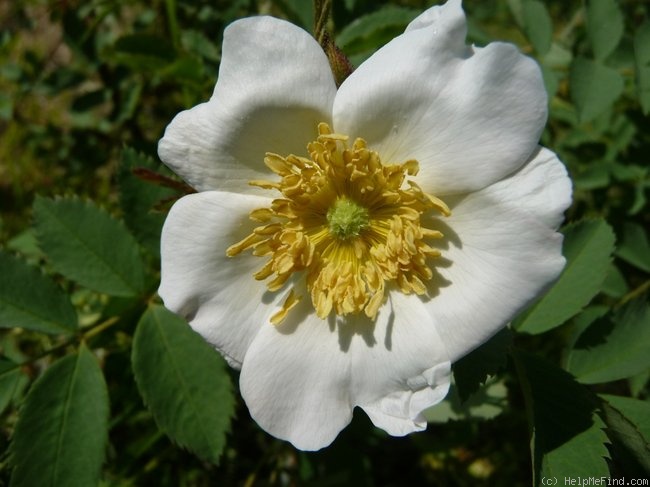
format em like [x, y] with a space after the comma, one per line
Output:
[345, 222]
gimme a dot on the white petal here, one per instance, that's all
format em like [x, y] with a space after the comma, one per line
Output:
[405, 372]
[501, 252]
[302, 379]
[447, 20]
[542, 188]
[296, 380]
[215, 293]
[470, 116]
[275, 85]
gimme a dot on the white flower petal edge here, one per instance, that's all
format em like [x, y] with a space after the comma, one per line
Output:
[503, 251]
[470, 116]
[301, 380]
[216, 294]
[274, 80]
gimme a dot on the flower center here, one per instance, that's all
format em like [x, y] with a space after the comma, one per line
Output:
[347, 223]
[346, 218]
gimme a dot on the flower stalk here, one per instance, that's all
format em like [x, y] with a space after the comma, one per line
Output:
[339, 62]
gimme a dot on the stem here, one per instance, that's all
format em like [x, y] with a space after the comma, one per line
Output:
[340, 64]
[89, 333]
[635, 293]
[576, 20]
[100, 327]
[170, 8]
[322, 10]
[526, 391]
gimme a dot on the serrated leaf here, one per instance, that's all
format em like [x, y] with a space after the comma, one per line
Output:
[587, 247]
[568, 437]
[62, 431]
[12, 381]
[474, 368]
[604, 26]
[630, 445]
[594, 87]
[138, 198]
[538, 25]
[642, 64]
[183, 382]
[89, 246]
[30, 300]
[614, 347]
[637, 411]
[373, 30]
[634, 247]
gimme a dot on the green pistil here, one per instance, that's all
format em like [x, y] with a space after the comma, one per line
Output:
[347, 219]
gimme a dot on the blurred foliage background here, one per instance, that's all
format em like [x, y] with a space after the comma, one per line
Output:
[86, 90]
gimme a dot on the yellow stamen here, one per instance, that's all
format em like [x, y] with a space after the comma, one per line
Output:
[289, 303]
[348, 223]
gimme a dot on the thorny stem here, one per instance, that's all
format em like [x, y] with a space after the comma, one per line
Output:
[339, 63]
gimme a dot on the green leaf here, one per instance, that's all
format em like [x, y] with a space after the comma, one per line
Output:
[614, 347]
[6, 107]
[474, 368]
[488, 402]
[183, 382]
[185, 69]
[630, 444]
[62, 431]
[587, 248]
[87, 245]
[614, 284]
[30, 300]
[585, 318]
[12, 381]
[517, 10]
[634, 247]
[197, 42]
[26, 245]
[637, 384]
[604, 26]
[538, 25]
[137, 199]
[551, 80]
[568, 437]
[143, 52]
[299, 12]
[637, 411]
[594, 87]
[642, 63]
[595, 176]
[371, 31]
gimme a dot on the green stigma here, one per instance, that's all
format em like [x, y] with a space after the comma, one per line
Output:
[346, 218]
